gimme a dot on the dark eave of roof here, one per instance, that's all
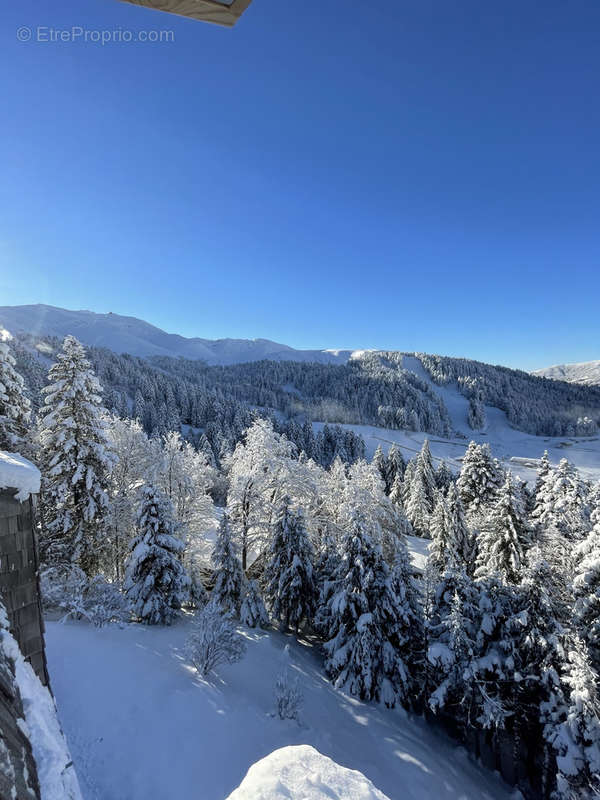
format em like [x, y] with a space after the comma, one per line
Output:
[205, 10]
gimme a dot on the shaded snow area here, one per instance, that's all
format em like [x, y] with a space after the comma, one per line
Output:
[301, 772]
[142, 725]
[18, 473]
[517, 450]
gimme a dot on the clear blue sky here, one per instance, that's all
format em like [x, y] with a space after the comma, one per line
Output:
[423, 177]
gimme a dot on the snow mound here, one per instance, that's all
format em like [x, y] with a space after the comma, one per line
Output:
[18, 473]
[301, 772]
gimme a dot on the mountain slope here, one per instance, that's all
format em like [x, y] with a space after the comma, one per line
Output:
[585, 372]
[139, 338]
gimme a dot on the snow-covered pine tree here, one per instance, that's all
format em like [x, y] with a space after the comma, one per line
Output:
[407, 479]
[452, 633]
[229, 575]
[253, 613]
[363, 617]
[156, 583]
[476, 414]
[493, 689]
[418, 507]
[396, 492]
[479, 479]
[573, 726]
[289, 581]
[586, 589]
[444, 477]
[326, 569]
[381, 463]
[504, 537]
[408, 638]
[425, 466]
[438, 527]
[395, 465]
[562, 503]
[461, 545]
[76, 463]
[15, 408]
[534, 654]
[542, 473]
[420, 497]
[199, 597]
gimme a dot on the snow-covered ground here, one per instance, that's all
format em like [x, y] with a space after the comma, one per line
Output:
[142, 725]
[517, 450]
[418, 550]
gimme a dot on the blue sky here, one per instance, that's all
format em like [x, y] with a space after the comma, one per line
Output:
[424, 177]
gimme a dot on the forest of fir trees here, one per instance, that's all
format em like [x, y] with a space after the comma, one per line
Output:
[500, 634]
[214, 405]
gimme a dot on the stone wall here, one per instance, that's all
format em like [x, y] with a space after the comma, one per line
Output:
[19, 582]
[18, 770]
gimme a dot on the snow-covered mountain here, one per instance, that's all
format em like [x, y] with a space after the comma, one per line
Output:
[586, 372]
[139, 338]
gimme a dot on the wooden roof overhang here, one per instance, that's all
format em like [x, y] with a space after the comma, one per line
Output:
[221, 13]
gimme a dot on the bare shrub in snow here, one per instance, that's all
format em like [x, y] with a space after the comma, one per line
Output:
[105, 603]
[62, 587]
[97, 600]
[213, 641]
[288, 697]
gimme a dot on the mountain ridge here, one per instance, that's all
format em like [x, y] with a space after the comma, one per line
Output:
[126, 334]
[583, 372]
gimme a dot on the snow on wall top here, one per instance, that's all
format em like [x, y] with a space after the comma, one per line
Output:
[303, 772]
[18, 473]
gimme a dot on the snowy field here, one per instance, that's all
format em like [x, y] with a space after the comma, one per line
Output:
[141, 725]
[516, 449]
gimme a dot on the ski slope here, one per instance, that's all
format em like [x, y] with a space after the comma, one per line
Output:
[141, 724]
[517, 450]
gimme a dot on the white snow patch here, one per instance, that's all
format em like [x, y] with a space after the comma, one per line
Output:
[18, 473]
[302, 772]
[418, 550]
